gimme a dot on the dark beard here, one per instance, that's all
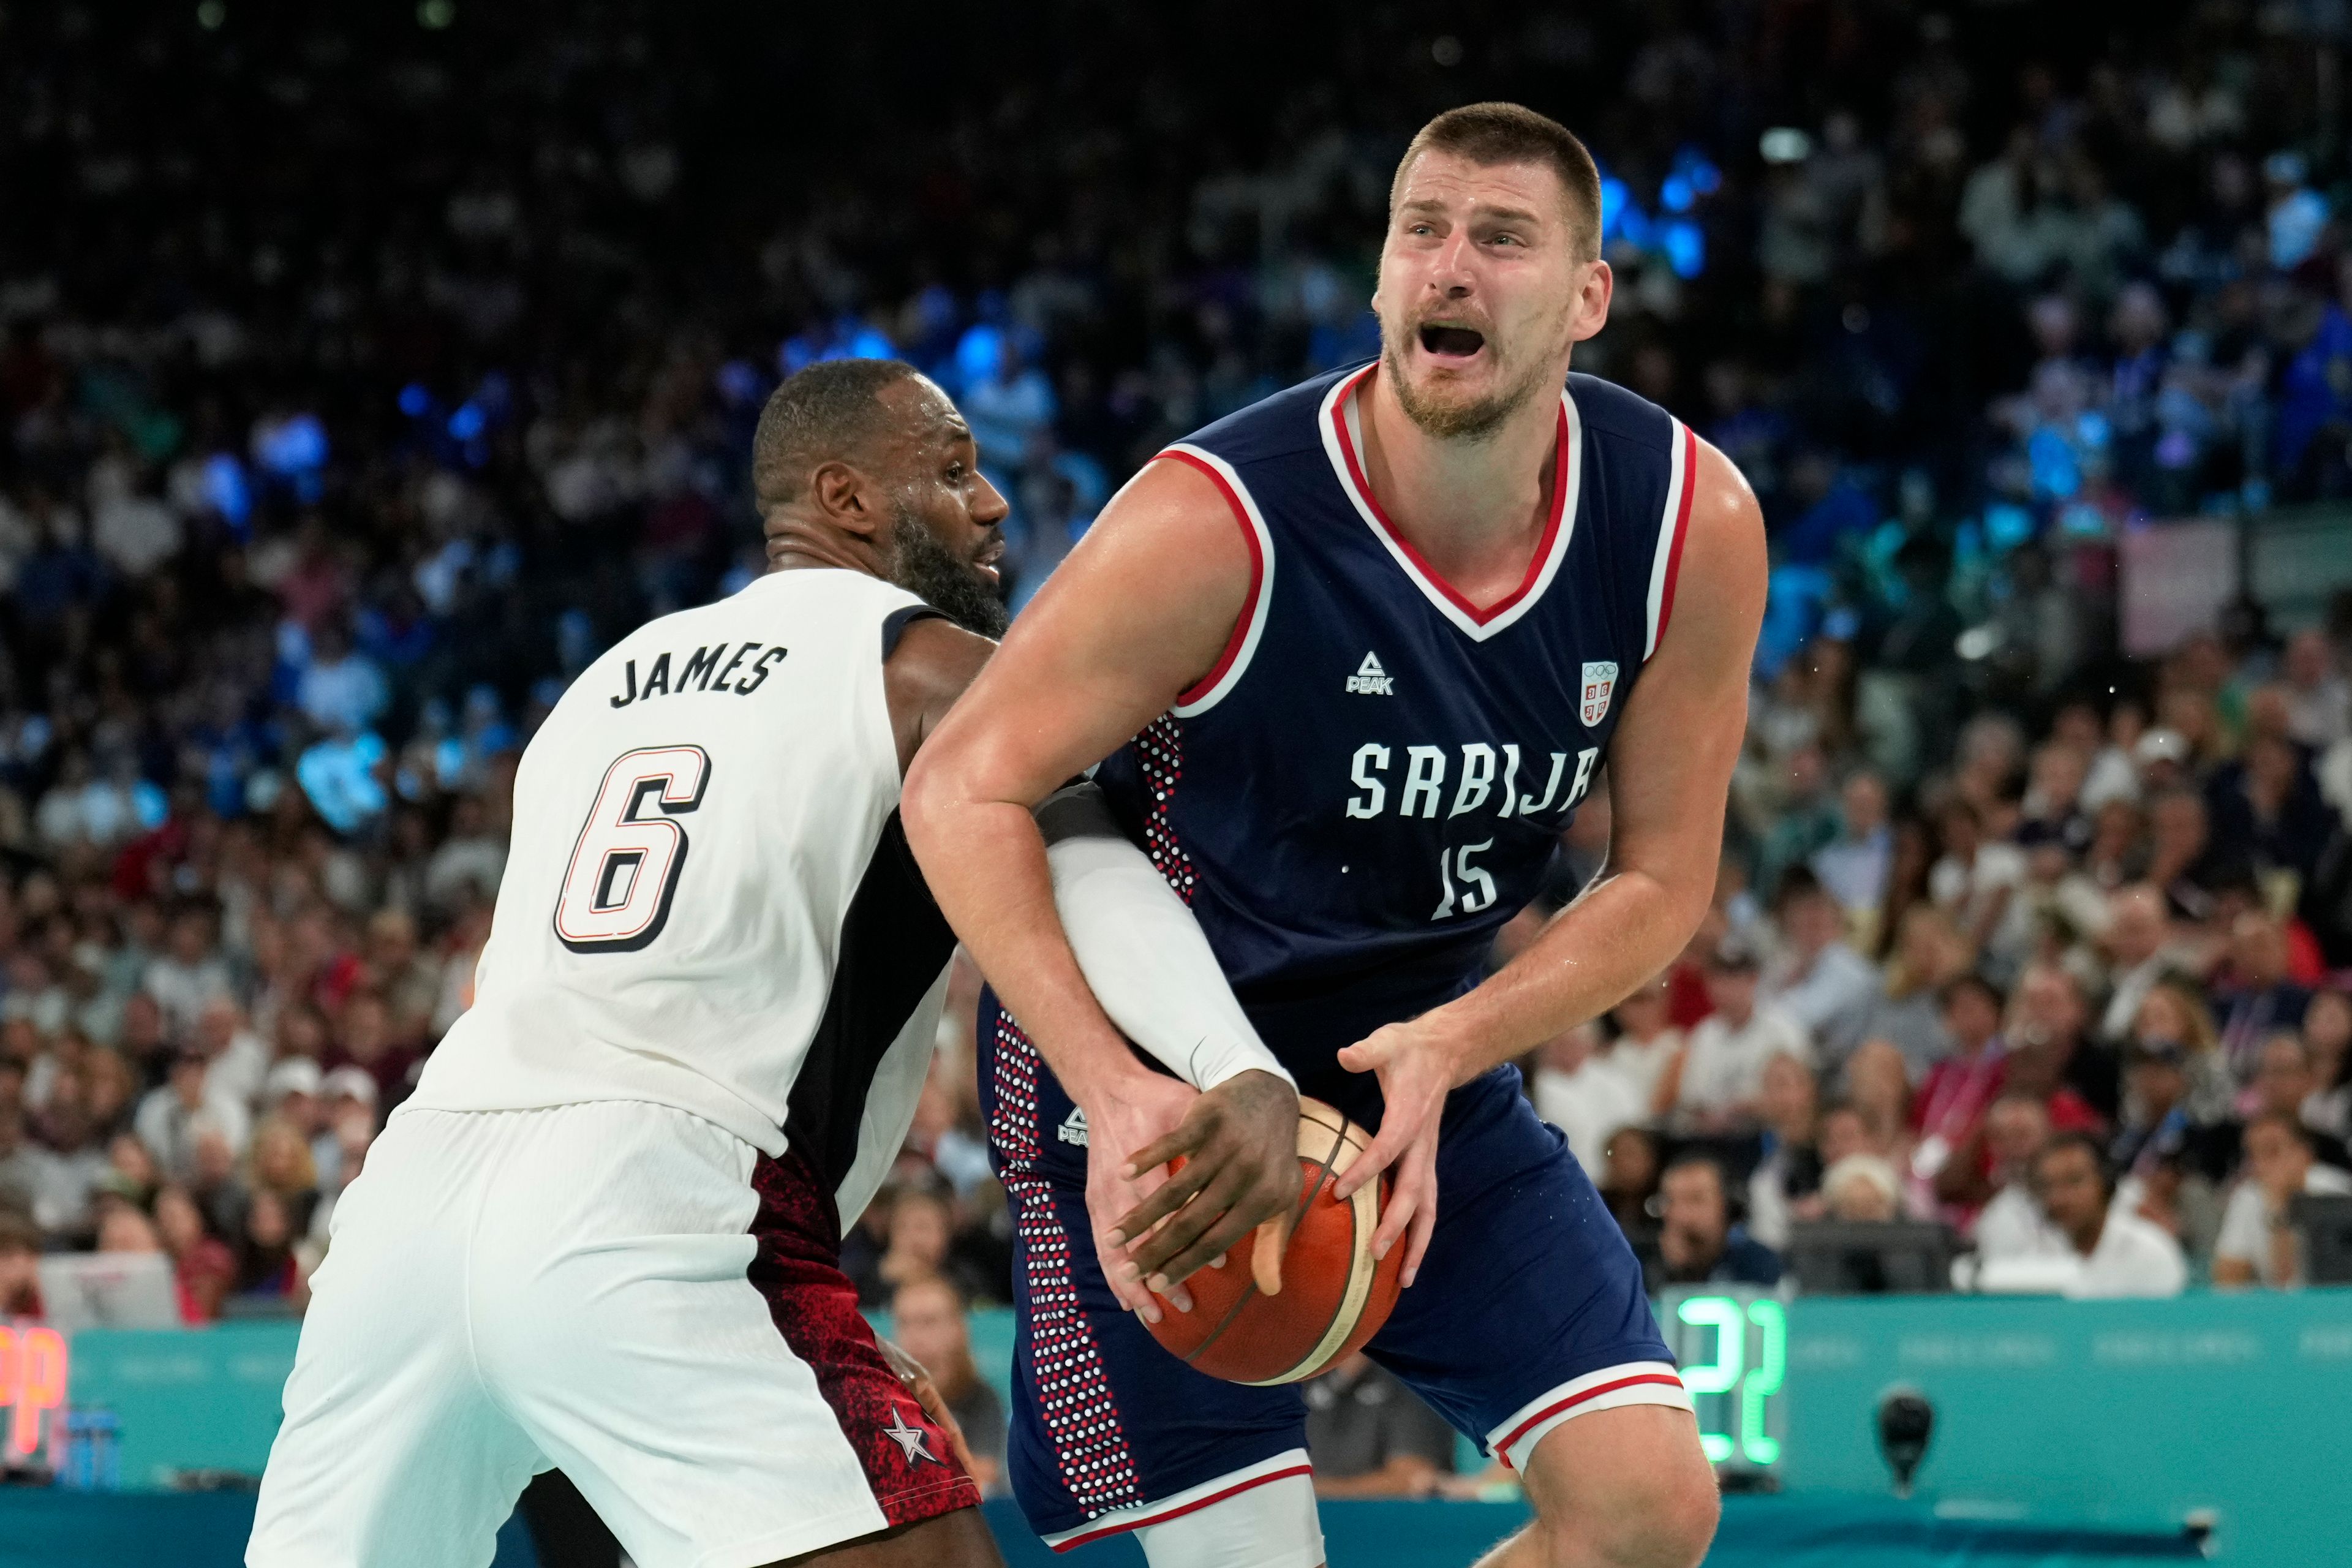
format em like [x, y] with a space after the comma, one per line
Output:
[925, 567]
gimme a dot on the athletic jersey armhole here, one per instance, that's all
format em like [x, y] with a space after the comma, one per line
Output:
[1250, 625]
[1674, 525]
[895, 625]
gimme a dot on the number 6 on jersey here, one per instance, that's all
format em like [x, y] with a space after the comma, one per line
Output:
[626, 867]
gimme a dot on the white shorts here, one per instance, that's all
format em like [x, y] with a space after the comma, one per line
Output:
[622, 1290]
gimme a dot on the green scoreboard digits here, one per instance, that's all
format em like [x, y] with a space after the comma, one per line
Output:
[1733, 1346]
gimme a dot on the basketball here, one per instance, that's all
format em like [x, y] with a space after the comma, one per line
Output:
[1334, 1296]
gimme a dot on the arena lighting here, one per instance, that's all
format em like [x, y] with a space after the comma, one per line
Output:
[211, 15]
[436, 14]
[1785, 144]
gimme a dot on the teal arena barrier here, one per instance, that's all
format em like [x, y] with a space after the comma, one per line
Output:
[2064, 1431]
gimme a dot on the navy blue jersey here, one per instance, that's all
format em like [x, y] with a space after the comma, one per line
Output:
[1376, 773]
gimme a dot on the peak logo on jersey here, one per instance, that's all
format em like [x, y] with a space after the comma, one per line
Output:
[911, 1438]
[1371, 680]
[1074, 1127]
[1600, 680]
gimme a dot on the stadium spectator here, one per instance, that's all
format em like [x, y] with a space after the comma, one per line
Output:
[20, 1165]
[1816, 979]
[2256, 996]
[1697, 1242]
[2078, 1082]
[20, 1266]
[1574, 1090]
[2174, 1026]
[1975, 880]
[2327, 1041]
[1949, 1168]
[1929, 953]
[171, 1118]
[2259, 1242]
[1785, 1186]
[2138, 942]
[1629, 1183]
[927, 1321]
[921, 1239]
[1878, 1097]
[1857, 864]
[2114, 1253]
[1721, 1077]
[2012, 1224]
[1368, 1436]
[2283, 1084]
[1646, 1048]
[1862, 1189]
[202, 1267]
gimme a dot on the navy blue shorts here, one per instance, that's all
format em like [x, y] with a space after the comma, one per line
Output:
[1528, 1310]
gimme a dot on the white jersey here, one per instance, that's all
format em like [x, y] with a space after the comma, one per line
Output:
[709, 902]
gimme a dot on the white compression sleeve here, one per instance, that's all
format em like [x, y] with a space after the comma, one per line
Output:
[1141, 949]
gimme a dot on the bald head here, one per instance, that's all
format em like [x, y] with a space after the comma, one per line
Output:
[832, 412]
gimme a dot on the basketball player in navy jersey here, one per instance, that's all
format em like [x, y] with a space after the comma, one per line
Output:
[1353, 656]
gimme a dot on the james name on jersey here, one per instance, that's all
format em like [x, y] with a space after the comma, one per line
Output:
[702, 672]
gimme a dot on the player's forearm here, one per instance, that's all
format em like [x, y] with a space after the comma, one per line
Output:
[985, 862]
[1144, 956]
[1619, 934]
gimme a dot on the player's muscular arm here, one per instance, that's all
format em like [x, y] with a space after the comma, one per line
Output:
[1669, 769]
[1140, 610]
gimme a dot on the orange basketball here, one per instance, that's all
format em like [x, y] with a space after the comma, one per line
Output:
[1334, 1296]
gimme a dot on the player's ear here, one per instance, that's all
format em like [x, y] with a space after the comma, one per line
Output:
[844, 496]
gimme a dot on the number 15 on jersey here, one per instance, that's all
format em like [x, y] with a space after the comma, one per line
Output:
[624, 868]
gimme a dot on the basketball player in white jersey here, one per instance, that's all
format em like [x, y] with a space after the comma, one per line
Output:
[603, 1233]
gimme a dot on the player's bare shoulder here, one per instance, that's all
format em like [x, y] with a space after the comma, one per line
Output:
[932, 664]
[1155, 587]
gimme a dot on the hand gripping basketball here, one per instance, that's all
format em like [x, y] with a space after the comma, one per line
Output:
[1337, 1293]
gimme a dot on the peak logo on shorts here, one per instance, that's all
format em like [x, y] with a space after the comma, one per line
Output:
[1073, 1129]
[1371, 680]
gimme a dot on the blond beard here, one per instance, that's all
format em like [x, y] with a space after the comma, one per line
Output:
[1475, 420]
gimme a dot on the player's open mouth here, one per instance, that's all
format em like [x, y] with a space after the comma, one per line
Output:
[1451, 342]
[987, 561]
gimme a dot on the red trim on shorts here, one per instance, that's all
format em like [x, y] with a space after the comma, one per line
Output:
[1193, 1507]
[1233, 650]
[1682, 530]
[797, 1269]
[1549, 1411]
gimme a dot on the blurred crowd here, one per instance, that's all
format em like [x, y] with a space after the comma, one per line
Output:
[367, 374]
[2070, 996]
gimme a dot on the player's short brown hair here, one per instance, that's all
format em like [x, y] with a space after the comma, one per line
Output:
[1491, 133]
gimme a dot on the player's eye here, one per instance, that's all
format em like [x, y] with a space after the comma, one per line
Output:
[955, 473]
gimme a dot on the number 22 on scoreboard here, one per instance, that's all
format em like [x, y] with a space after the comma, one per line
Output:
[1727, 1371]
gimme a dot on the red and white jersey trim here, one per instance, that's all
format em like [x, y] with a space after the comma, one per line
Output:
[1668, 563]
[1343, 439]
[1191, 1500]
[1628, 1382]
[1234, 663]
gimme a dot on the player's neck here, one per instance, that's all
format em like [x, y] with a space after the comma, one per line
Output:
[1475, 509]
[794, 544]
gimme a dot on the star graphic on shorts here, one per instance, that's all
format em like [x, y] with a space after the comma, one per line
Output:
[911, 1438]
